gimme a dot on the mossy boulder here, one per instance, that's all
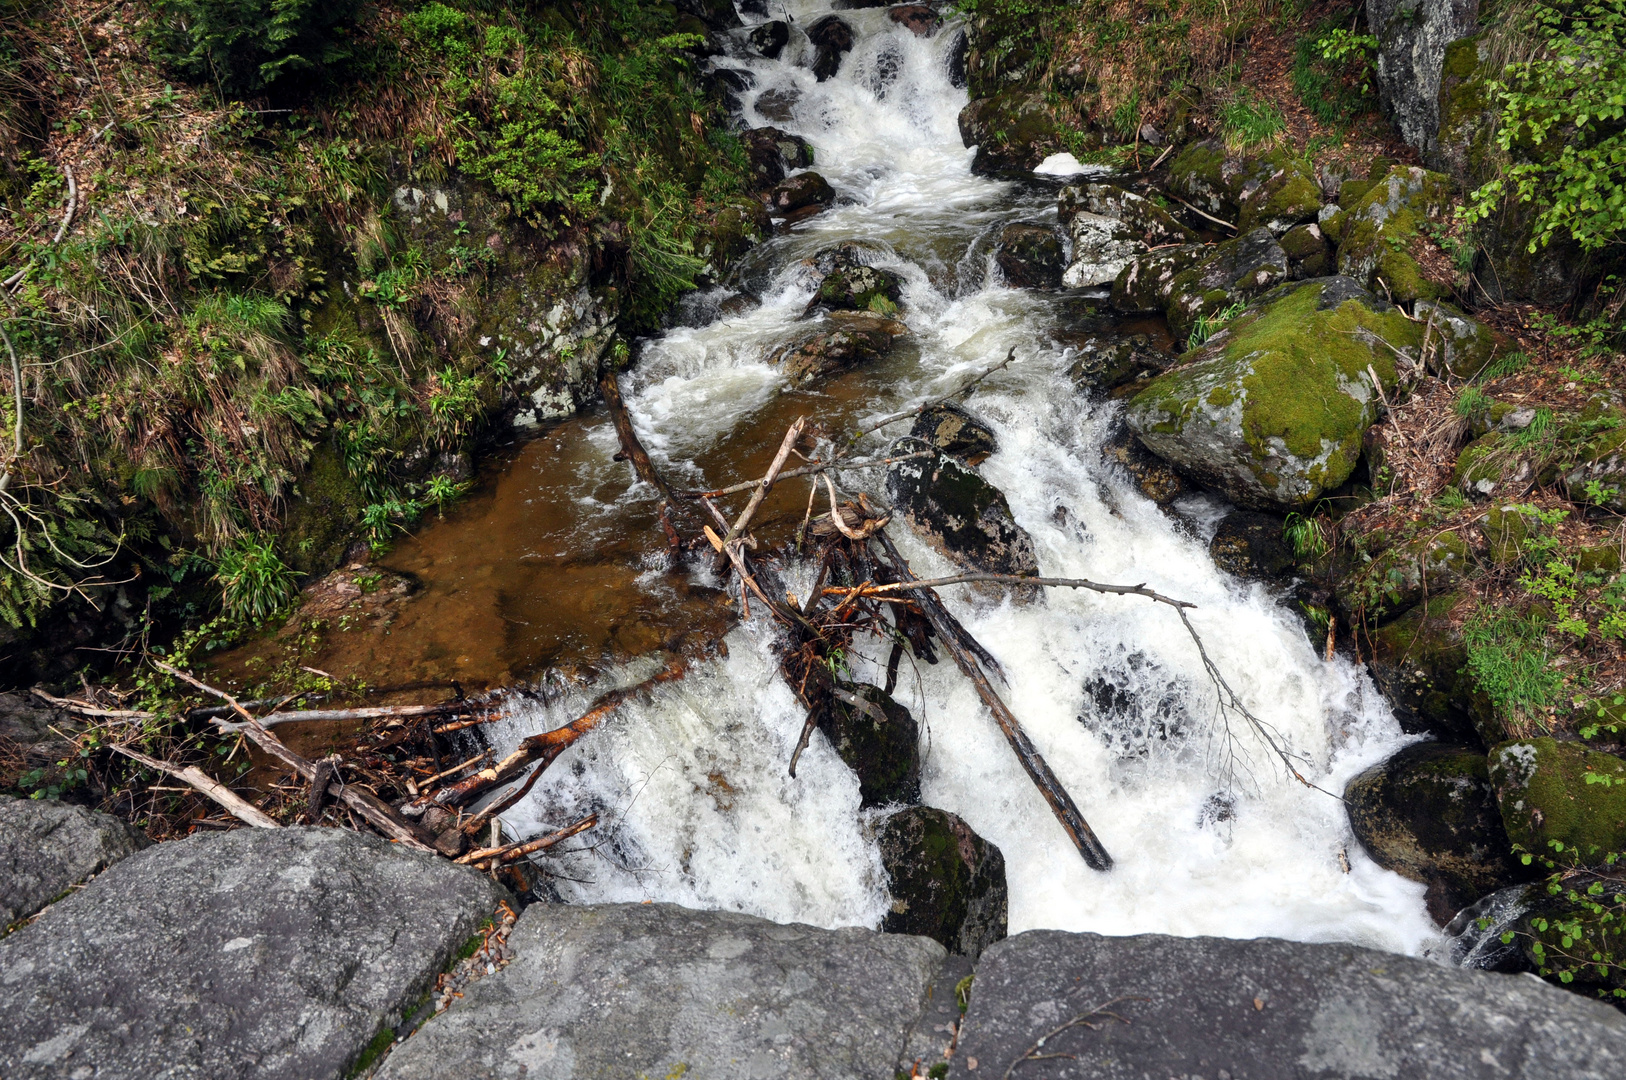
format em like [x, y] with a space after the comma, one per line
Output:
[1107, 365]
[1271, 410]
[958, 512]
[1146, 281]
[1375, 236]
[1465, 146]
[771, 153]
[1030, 256]
[1309, 254]
[1507, 527]
[1561, 801]
[1012, 130]
[806, 189]
[834, 351]
[879, 740]
[952, 430]
[1457, 345]
[1249, 544]
[1493, 466]
[1597, 476]
[1420, 663]
[1142, 217]
[1275, 190]
[859, 288]
[1402, 575]
[1412, 37]
[1429, 813]
[947, 882]
[1232, 273]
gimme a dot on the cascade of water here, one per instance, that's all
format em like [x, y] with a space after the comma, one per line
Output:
[692, 785]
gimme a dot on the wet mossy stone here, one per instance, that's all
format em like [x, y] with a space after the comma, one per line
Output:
[1152, 476]
[1275, 190]
[832, 352]
[1249, 544]
[832, 39]
[880, 742]
[952, 430]
[1351, 192]
[1145, 282]
[1271, 410]
[1030, 256]
[1106, 365]
[769, 39]
[1149, 222]
[799, 192]
[1375, 234]
[1398, 578]
[1420, 663]
[1560, 800]
[1309, 255]
[947, 882]
[1102, 248]
[1507, 527]
[1012, 130]
[1457, 345]
[1429, 814]
[1231, 273]
[958, 512]
[1199, 175]
[856, 287]
[772, 152]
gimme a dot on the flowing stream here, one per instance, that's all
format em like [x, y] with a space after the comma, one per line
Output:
[691, 785]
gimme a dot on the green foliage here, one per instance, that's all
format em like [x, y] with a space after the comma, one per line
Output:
[1248, 121]
[1470, 402]
[1508, 657]
[1305, 536]
[1333, 69]
[255, 584]
[1562, 112]
[243, 46]
[1209, 325]
[1575, 936]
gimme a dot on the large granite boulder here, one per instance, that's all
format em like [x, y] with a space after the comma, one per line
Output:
[654, 990]
[958, 512]
[1145, 219]
[1102, 247]
[1276, 189]
[1375, 236]
[1412, 37]
[1429, 814]
[1132, 1008]
[947, 882]
[47, 848]
[1146, 282]
[1561, 801]
[1272, 409]
[253, 953]
[1013, 129]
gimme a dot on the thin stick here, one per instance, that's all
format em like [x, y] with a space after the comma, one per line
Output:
[512, 852]
[375, 712]
[1199, 213]
[1017, 579]
[808, 470]
[764, 485]
[917, 410]
[1081, 1020]
[84, 709]
[234, 804]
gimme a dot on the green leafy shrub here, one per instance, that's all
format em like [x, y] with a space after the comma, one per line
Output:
[1508, 657]
[243, 46]
[1332, 72]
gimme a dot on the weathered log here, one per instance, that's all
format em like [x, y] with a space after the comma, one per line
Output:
[83, 708]
[610, 386]
[1038, 770]
[485, 858]
[208, 786]
[370, 712]
[324, 773]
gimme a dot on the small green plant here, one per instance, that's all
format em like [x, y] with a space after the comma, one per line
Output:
[1247, 121]
[1502, 366]
[1452, 498]
[254, 582]
[1305, 536]
[243, 46]
[1209, 325]
[1471, 401]
[1509, 659]
[1352, 50]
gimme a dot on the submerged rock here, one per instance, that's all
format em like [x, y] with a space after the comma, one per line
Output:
[952, 430]
[252, 953]
[958, 512]
[880, 741]
[48, 847]
[832, 40]
[1561, 801]
[947, 882]
[834, 351]
[1030, 256]
[675, 993]
[799, 192]
[1263, 1008]
[1271, 410]
[1229, 274]
[1250, 545]
[1429, 813]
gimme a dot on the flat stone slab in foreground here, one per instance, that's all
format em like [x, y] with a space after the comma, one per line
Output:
[1269, 1010]
[255, 953]
[653, 990]
[48, 847]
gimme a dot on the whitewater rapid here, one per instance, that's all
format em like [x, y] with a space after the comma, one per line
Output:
[695, 803]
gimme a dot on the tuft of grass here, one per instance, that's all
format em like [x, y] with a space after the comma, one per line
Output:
[1209, 325]
[1508, 657]
[255, 583]
[1247, 121]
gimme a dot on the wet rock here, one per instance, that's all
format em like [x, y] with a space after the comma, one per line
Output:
[958, 512]
[1146, 281]
[1412, 36]
[1560, 800]
[1275, 190]
[771, 153]
[832, 39]
[857, 5]
[717, 14]
[769, 39]
[1267, 1009]
[947, 882]
[1271, 410]
[807, 189]
[778, 103]
[952, 430]
[1250, 545]
[731, 82]
[251, 953]
[1102, 248]
[1493, 466]
[921, 20]
[1011, 130]
[1147, 221]
[1375, 235]
[1399, 577]
[880, 741]
[1429, 814]
[1107, 365]
[1309, 255]
[1232, 273]
[853, 286]
[1030, 256]
[1419, 661]
[1457, 345]
[832, 352]
[956, 61]
[48, 847]
[676, 992]
[1155, 478]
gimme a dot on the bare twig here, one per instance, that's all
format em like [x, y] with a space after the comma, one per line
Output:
[1199, 213]
[1083, 1019]
[808, 470]
[234, 804]
[81, 708]
[764, 486]
[484, 858]
[922, 407]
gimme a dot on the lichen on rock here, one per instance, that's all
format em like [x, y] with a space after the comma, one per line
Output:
[1561, 801]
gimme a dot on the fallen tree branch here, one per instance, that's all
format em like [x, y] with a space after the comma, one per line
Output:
[809, 470]
[372, 712]
[208, 786]
[486, 858]
[82, 708]
[1083, 1019]
[1017, 579]
[765, 485]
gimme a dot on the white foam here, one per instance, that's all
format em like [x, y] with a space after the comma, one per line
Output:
[1065, 164]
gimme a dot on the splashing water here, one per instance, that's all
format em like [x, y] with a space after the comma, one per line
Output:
[691, 784]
